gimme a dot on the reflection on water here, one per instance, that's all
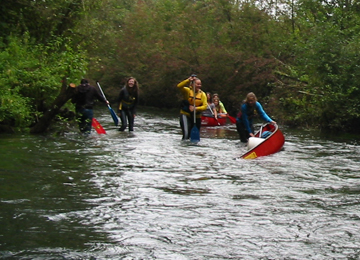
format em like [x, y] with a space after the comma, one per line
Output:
[149, 195]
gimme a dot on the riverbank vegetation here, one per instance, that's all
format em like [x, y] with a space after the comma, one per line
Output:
[301, 58]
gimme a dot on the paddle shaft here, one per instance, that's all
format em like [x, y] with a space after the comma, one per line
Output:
[112, 112]
[213, 114]
[102, 93]
[194, 135]
[232, 119]
[194, 102]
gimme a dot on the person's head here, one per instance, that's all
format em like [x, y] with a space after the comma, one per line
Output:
[250, 99]
[131, 83]
[208, 96]
[84, 82]
[197, 83]
[216, 95]
[216, 101]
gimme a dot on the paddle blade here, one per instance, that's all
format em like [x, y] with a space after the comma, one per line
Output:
[195, 135]
[98, 128]
[113, 115]
[232, 119]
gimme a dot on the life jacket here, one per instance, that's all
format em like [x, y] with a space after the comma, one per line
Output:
[128, 100]
[198, 101]
[251, 112]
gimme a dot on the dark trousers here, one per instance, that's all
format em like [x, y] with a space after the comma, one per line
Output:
[84, 117]
[243, 133]
[127, 115]
[187, 123]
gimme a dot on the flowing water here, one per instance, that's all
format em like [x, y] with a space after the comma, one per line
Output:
[149, 195]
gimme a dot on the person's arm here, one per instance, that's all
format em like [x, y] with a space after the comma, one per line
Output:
[262, 113]
[184, 83]
[215, 114]
[203, 107]
[99, 96]
[223, 110]
[183, 87]
[136, 102]
[120, 98]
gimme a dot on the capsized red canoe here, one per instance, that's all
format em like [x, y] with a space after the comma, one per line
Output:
[211, 121]
[268, 140]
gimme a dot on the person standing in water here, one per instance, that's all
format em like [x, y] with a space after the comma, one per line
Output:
[244, 120]
[128, 101]
[84, 99]
[188, 107]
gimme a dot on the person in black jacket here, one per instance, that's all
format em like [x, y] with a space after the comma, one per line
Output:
[128, 100]
[84, 100]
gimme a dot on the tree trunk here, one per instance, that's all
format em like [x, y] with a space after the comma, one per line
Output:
[65, 94]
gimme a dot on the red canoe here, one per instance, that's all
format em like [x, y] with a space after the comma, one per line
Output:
[265, 146]
[211, 121]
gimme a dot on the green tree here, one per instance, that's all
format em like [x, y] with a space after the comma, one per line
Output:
[327, 57]
[30, 76]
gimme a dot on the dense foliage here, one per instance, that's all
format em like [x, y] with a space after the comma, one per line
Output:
[300, 58]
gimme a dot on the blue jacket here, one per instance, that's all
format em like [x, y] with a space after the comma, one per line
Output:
[247, 114]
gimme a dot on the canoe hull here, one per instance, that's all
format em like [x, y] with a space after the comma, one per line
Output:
[210, 121]
[272, 144]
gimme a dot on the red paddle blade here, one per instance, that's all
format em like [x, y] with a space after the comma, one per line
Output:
[98, 128]
[232, 119]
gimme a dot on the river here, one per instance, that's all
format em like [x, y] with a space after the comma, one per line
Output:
[149, 195]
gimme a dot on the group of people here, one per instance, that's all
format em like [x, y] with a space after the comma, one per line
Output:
[195, 103]
[85, 95]
[215, 107]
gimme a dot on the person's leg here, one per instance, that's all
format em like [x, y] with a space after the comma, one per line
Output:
[243, 134]
[89, 114]
[123, 120]
[184, 123]
[82, 116]
[131, 119]
[198, 122]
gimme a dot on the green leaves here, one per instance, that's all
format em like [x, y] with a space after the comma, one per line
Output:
[30, 77]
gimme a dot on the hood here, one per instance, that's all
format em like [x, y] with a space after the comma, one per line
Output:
[83, 88]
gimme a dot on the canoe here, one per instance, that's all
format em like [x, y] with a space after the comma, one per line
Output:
[210, 121]
[272, 142]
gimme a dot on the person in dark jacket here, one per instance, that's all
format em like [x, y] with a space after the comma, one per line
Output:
[128, 101]
[84, 100]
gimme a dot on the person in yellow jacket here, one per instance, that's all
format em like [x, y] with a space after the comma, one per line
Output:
[187, 87]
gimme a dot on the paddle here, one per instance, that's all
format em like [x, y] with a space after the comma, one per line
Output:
[260, 132]
[112, 112]
[232, 119]
[195, 134]
[98, 128]
[213, 114]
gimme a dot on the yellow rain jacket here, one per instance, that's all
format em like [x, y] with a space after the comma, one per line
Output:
[188, 95]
